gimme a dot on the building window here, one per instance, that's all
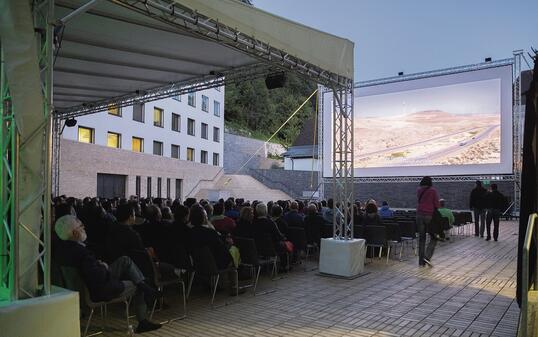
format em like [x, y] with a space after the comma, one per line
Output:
[158, 117]
[86, 135]
[138, 112]
[177, 98]
[216, 108]
[203, 157]
[138, 144]
[157, 148]
[168, 188]
[178, 188]
[137, 186]
[175, 151]
[204, 130]
[113, 140]
[216, 159]
[190, 127]
[159, 187]
[149, 188]
[191, 99]
[216, 134]
[190, 154]
[114, 109]
[176, 122]
[205, 103]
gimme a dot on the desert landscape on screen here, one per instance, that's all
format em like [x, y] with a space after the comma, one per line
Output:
[462, 127]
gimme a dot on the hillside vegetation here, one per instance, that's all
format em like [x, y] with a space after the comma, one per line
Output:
[253, 110]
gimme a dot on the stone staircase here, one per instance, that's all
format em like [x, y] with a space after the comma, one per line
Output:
[241, 186]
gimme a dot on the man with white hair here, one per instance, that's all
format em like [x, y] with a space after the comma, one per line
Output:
[104, 282]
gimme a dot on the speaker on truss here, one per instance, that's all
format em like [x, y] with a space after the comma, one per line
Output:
[273, 81]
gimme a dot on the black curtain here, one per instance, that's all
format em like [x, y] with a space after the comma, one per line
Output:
[529, 177]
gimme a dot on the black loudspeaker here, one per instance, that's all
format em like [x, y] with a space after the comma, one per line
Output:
[274, 81]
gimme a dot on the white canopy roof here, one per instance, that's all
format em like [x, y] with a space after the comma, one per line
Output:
[119, 49]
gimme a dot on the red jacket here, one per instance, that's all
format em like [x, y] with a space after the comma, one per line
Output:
[428, 200]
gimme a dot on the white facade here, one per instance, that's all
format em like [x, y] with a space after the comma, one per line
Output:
[90, 154]
[301, 164]
[102, 123]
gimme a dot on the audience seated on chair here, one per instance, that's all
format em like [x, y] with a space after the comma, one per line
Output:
[371, 217]
[244, 226]
[293, 217]
[222, 223]
[385, 211]
[103, 281]
[312, 223]
[276, 216]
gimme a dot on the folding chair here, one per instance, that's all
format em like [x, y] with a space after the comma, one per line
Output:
[376, 236]
[250, 259]
[205, 265]
[394, 237]
[408, 233]
[267, 253]
[160, 282]
[73, 281]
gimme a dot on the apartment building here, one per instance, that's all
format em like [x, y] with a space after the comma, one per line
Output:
[164, 148]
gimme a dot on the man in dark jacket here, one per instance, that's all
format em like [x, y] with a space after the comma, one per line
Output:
[122, 239]
[293, 218]
[496, 203]
[104, 282]
[477, 202]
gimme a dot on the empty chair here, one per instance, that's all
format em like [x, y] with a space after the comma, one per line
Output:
[205, 265]
[376, 236]
[394, 237]
[73, 281]
[408, 233]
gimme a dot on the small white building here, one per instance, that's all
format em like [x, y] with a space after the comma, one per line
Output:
[303, 154]
[164, 148]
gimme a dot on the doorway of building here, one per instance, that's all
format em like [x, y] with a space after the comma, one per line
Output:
[111, 185]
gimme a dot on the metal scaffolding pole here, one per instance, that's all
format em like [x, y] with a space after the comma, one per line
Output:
[517, 128]
[25, 144]
[343, 162]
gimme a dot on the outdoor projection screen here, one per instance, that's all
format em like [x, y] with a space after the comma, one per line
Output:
[455, 124]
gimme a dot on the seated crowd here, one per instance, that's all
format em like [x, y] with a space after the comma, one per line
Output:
[102, 238]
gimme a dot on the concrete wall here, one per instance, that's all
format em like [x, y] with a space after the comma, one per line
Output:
[80, 163]
[399, 195]
[403, 195]
[294, 183]
[238, 149]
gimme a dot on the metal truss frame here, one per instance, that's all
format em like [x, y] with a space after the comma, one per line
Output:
[343, 162]
[517, 136]
[439, 72]
[25, 240]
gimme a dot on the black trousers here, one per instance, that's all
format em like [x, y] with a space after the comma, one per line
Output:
[493, 215]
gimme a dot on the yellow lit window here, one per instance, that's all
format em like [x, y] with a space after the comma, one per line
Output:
[158, 117]
[115, 110]
[85, 135]
[138, 144]
[114, 140]
[190, 154]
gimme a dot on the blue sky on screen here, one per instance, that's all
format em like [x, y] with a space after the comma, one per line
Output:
[479, 97]
[418, 35]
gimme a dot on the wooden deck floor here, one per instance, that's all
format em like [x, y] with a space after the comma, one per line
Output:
[470, 291]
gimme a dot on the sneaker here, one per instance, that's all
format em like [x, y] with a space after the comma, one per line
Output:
[145, 326]
[427, 261]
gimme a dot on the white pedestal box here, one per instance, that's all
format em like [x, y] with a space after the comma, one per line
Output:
[344, 258]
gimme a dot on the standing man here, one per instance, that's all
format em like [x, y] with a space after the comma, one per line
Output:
[428, 201]
[477, 202]
[496, 203]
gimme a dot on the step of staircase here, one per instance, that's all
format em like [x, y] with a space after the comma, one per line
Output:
[242, 186]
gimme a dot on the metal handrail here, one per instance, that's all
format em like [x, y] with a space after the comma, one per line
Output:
[532, 230]
[204, 180]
